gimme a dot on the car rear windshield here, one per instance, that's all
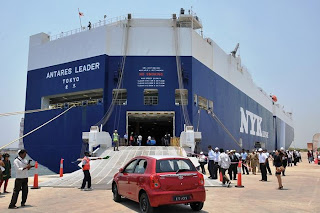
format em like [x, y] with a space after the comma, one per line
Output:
[174, 165]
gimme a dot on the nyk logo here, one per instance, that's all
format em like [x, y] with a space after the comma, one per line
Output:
[255, 122]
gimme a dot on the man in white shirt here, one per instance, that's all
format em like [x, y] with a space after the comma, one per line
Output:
[216, 155]
[211, 161]
[262, 161]
[21, 166]
[267, 162]
[139, 140]
[224, 163]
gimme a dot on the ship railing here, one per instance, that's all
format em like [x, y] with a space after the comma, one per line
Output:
[100, 23]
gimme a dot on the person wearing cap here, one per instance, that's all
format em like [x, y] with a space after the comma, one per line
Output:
[21, 166]
[224, 164]
[6, 172]
[202, 161]
[115, 140]
[216, 155]
[262, 161]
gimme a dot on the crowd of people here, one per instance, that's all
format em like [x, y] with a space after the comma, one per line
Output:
[136, 140]
[256, 160]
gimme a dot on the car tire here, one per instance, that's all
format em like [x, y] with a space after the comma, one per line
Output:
[116, 196]
[144, 203]
[197, 206]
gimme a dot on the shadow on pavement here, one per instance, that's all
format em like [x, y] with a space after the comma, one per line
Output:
[170, 208]
[26, 206]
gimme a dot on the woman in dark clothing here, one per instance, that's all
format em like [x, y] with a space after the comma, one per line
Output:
[284, 162]
[6, 173]
[279, 167]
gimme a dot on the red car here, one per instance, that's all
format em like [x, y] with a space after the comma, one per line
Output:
[160, 180]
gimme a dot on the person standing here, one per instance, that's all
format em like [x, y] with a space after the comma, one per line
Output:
[244, 156]
[115, 140]
[310, 156]
[6, 172]
[295, 157]
[234, 164]
[267, 162]
[202, 161]
[279, 168]
[211, 161]
[224, 163]
[86, 171]
[1, 169]
[149, 140]
[262, 161]
[131, 139]
[284, 161]
[216, 155]
[139, 140]
[126, 139]
[299, 156]
[254, 159]
[21, 167]
[289, 154]
[89, 25]
[166, 140]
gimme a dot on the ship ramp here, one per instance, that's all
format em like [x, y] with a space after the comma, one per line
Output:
[102, 171]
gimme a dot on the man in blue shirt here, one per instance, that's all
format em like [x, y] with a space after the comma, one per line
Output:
[244, 156]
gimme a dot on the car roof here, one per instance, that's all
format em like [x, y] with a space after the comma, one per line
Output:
[160, 157]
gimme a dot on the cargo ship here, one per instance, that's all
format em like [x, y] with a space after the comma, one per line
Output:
[159, 75]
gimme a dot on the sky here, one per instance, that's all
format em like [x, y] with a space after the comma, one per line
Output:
[279, 44]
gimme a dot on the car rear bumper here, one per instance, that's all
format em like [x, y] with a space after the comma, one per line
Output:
[158, 198]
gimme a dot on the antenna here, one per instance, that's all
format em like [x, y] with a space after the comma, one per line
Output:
[233, 53]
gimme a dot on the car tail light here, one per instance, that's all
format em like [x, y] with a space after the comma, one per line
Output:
[201, 179]
[154, 182]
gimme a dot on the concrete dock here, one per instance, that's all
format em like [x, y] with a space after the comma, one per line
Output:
[301, 194]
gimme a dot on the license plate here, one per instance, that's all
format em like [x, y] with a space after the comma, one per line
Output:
[181, 198]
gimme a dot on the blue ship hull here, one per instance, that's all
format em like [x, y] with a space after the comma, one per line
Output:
[62, 138]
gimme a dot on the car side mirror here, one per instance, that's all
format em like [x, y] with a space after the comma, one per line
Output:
[121, 170]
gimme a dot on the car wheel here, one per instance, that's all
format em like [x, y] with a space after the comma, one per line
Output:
[116, 196]
[196, 206]
[145, 204]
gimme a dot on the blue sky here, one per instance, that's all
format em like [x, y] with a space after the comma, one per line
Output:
[279, 44]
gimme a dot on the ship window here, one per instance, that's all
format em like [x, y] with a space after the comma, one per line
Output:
[150, 96]
[210, 105]
[181, 97]
[66, 100]
[203, 103]
[122, 96]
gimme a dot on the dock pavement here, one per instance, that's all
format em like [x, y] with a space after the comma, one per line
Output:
[301, 193]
